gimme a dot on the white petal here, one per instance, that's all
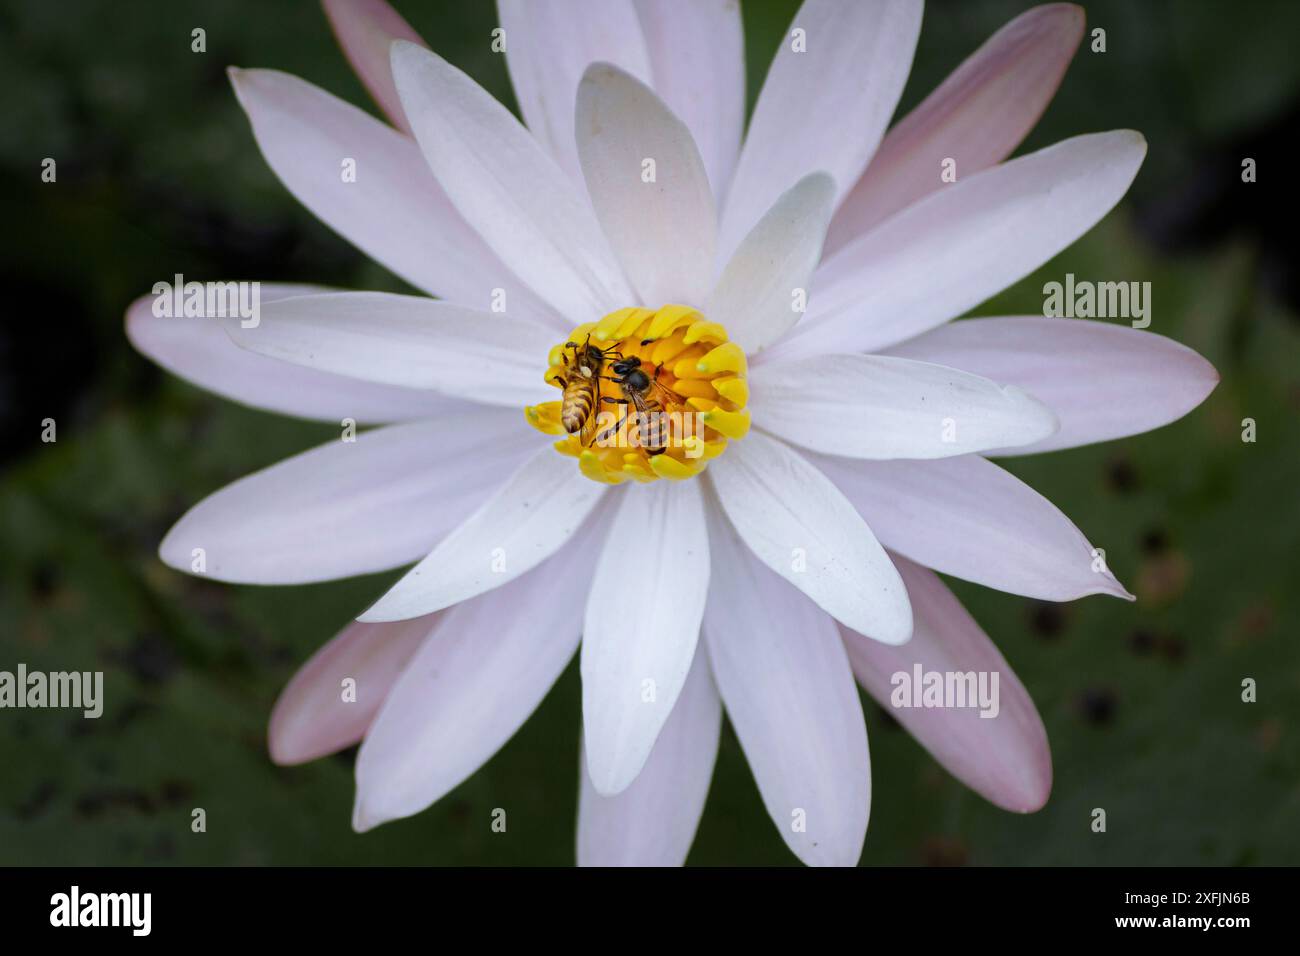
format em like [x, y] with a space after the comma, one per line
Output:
[365, 30]
[958, 246]
[997, 746]
[969, 518]
[199, 351]
[697, 59]
[507, 188]
[974, 119]
[348, 508]
[642, 623]
[538, 509]
[548, 47]
[785, 680]
[762, 291]
[1103, 381]
[825, 107]
[800, 526]
[872, 406]
[393, 210]
[662, 230]
[409, 341]
[312, 717]
[481, 673]
[652, 822]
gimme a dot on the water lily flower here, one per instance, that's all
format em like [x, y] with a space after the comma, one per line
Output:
[792, 293]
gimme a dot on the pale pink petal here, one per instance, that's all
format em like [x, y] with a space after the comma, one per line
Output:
[393, 210]
[503, 183]
[474, 681]
[349, 507]
[317, 713]
[640, 630]
[406, 340]
[661, 227]
[969, 518]
[956, 247]
[823, 108]
[365, 30]
[652, 822]
[975, 118]
[697, 60]
[199, 351]
[528, 518]
[999, 750]
[550, 45]
[762, 292]
[880, 406]
[1103, 381]
[785, 681]
[799, 524]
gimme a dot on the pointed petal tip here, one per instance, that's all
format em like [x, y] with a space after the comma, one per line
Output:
[170, 551]
[361, 820]
[371, 810]
[1035, 798]
[600, 71]
[1112, 587]
[823, 182]
[1030, 792]
[283, 750]
[898, 636]
[1067, 13]
[239, 80]
[609, 777]
[403, 50]
[608, 786]
[1041, 420]
[608, 768]
[289, 743]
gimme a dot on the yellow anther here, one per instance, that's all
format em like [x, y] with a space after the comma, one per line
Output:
[727, 357]
[695, 388]
[667, 467]
[731, 424]
[704, 332]
[669, 318]
[733, 388]
[687, 364]
[545, 418]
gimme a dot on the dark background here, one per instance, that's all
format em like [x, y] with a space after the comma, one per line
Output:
[158, 174]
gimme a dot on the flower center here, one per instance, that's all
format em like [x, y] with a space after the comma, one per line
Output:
[645, 394]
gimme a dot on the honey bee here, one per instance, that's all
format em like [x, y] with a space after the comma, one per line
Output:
[581, 385]
[648, 397]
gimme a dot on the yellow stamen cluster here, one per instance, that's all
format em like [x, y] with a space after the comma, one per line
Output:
[696, 362]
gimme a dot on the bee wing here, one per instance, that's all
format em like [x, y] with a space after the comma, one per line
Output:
[666, 395]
